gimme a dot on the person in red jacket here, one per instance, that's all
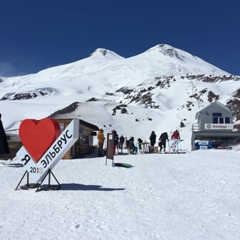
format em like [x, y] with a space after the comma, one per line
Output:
[175, 140]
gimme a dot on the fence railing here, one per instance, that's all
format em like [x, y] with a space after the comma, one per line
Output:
[195, 127]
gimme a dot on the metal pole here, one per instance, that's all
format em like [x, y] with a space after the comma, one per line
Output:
[49, 180]
[180, 144]
[26, 172]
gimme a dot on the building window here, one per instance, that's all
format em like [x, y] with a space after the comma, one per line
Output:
[218, 119]
[227, 119]
[215, 120]
[82, 139]
[216, 114]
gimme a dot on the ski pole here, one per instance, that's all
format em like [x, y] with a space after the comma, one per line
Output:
[180, 144]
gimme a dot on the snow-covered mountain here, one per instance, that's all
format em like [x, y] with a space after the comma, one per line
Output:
[133, 95]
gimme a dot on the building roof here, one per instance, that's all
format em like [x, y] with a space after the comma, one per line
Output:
[82, 122]
[69, 112]
[90, 125]
[210, 105]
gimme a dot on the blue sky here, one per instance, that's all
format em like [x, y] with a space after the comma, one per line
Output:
[37, 34]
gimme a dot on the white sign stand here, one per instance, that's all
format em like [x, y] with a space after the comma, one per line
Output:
[37, 171]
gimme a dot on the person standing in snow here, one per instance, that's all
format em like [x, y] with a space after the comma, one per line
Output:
[162, 141]
[152, 138]
[115, 141]
[4, 148]
[175, 140]
[126, 143]
[132, 148]
[121, 141]
[139, 144]
[101, 139]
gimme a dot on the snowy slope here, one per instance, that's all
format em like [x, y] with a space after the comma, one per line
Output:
[163, 197]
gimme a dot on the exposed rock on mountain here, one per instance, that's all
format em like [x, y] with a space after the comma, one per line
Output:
[146, 90]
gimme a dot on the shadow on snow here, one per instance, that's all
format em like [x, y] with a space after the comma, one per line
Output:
[82, 187]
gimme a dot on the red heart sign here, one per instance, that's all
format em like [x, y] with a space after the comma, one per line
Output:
[38, 136]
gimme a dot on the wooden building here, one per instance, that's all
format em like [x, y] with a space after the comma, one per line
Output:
[84, 144]
[214, 123]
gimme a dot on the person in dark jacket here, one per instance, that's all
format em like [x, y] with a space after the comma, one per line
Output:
[115, 141]
[139, 144]
[121, 142]
[121, 139]
[152, 138]
[162, 141]
[4, 148]
[126, 143]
